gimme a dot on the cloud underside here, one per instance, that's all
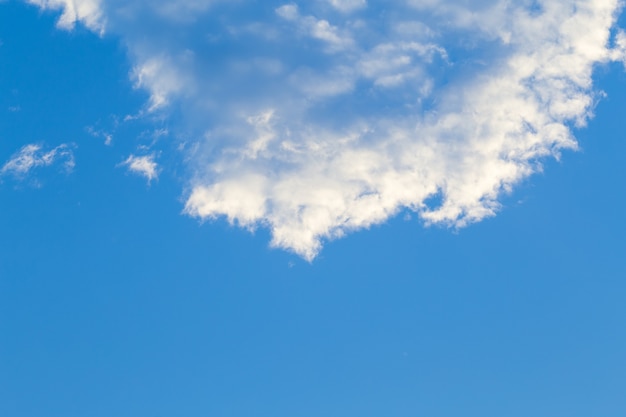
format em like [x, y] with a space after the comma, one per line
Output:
[319, 118]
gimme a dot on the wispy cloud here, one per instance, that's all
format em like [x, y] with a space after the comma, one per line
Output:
[106, 136]
[347, 6]
[34, 156]
[144, 165]
[369, 107]
[320, 29]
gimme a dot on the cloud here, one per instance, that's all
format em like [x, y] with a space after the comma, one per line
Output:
[315, 123]
[348, 6]
[143, 165]
[319, 29]
[88, 12]
[33, 156]
[161, 78]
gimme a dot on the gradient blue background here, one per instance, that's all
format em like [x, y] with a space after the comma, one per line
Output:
[112, 303]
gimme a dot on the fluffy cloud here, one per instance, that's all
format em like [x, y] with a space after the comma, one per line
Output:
[87, 12]
[315, 119]
[34, 156]
[144, 165]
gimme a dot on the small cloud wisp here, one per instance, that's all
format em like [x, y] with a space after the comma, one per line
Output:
[144, 166]
[34, 156]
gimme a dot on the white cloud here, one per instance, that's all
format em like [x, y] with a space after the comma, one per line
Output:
[319, 29]
[87, 12]
[144, 165]
[347, 6]
[163, 79]
[34, 156]
[354, 117]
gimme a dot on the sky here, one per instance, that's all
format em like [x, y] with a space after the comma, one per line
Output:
[323, 208]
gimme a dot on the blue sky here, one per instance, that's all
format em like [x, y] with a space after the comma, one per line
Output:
[325, 208]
